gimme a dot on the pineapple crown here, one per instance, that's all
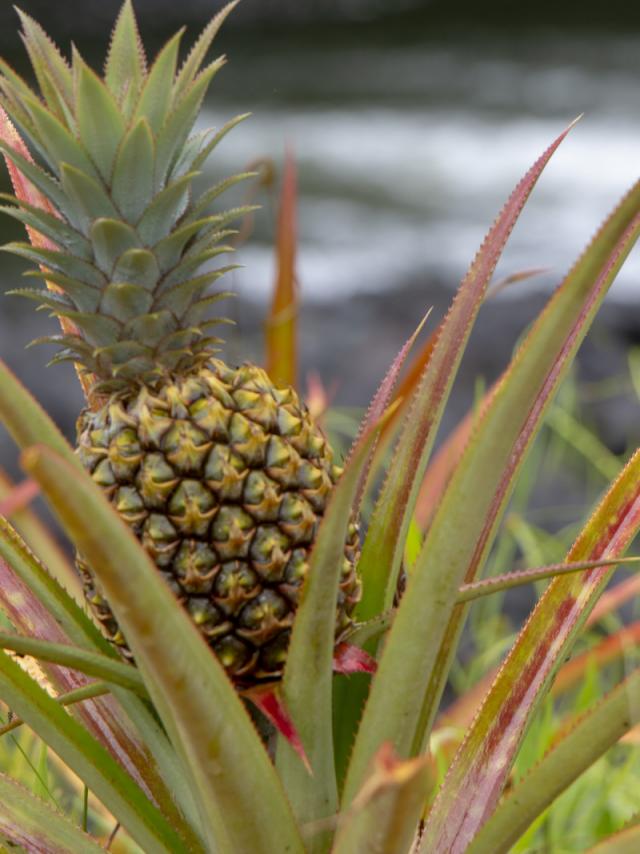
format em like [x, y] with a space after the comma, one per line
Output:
[127, 243]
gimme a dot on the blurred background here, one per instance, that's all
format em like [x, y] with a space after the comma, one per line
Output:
[411, 121]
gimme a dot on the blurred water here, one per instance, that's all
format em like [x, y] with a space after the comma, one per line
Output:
[407, 153]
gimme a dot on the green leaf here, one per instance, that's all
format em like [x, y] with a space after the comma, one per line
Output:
[64, 235]
[589, 739]
[126, 67]
[192, 262]
[84, 297]
[219, 136]
[41, 179]
[180, 122]
[168, 251]
[26, 820]
[58, 142]
[150, 329]
[155, 97]
[125, 301]
[111, 238]
[132, 185]
[164, 210]
[194, 698]
[199, 51]
[208, 197]
[178, 298]
[307, 681]
[79, 695]
[139, 267]
[96, 329]
[60, 262]
[46, 298]
[51, 69]
[89, 663]
[100, 122]
[90, 761]
[88, 198]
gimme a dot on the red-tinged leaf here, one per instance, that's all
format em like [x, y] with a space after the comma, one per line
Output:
[25, 191]
[383, 547]
[268, 700]
[380, 403]
[589, 738]
[481, 767]
[462, 711]
[615, 597]
[19, 497]
[281, 327]
[352, 659]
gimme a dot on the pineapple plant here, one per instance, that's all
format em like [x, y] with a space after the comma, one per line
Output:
[222, 476]
[219, 547]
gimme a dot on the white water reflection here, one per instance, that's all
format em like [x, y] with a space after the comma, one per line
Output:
[406, 156]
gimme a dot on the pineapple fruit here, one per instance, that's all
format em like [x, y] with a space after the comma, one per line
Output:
[222, 476]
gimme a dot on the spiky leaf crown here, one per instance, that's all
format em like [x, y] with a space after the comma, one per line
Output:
[116, 162]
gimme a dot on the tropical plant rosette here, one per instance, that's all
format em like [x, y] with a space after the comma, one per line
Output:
[168, 746]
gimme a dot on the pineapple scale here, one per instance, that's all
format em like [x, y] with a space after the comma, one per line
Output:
[224, 478]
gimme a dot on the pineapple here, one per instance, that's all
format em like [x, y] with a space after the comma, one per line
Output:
[221, 475]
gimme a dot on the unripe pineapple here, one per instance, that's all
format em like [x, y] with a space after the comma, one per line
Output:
[221, 475]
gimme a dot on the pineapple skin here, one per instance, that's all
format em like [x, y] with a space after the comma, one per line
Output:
[224, 479]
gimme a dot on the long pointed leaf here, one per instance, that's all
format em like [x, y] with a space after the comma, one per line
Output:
[598, 730]
[478, 773]
[384, 545]
[194, 697]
